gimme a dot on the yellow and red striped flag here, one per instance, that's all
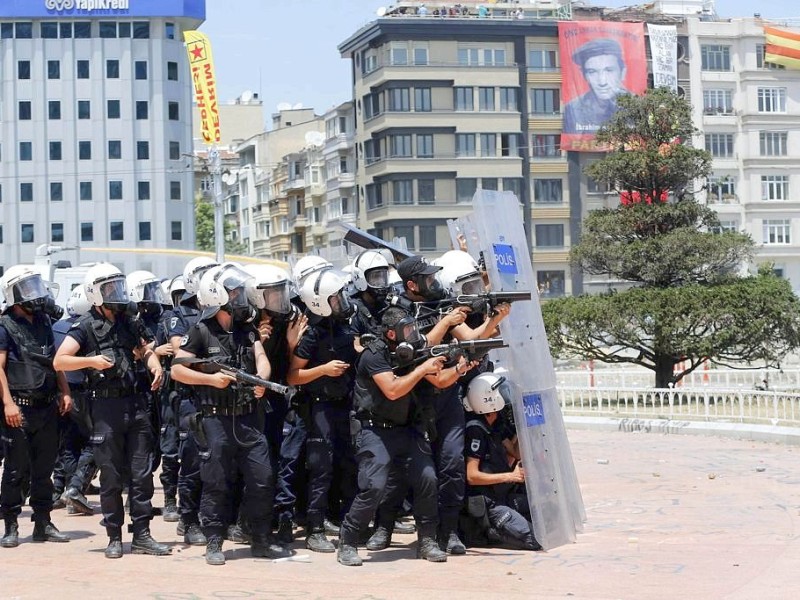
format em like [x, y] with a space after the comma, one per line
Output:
[783, 47]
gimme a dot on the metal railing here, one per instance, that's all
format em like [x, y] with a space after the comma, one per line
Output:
[602, 377]
[700, 404]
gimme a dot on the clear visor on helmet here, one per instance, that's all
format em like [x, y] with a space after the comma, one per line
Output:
[28, 289]
[114, 291]
[377, 278]
[235, 280]
[340, 304]
[276, 298]
[504, 387]
[473, 286]
[153, 293]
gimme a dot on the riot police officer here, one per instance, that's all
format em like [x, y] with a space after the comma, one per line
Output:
[106, 342]
[370, 271]
[231, 425]
[32, 394]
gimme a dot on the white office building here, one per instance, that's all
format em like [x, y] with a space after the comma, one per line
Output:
[95, 129]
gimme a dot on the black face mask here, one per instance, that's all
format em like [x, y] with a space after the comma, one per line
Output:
[122, 309]
[33, 306]
[434, 291]
[290, 317]
[241, 315]
[148, 310]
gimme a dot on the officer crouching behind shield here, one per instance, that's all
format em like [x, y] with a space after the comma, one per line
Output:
[387, 443]
[233, 429]
[106, 342]
[29, 385]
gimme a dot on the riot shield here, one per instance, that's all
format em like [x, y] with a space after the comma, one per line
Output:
[494, 232]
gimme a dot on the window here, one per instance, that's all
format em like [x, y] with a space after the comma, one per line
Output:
[486, 98]
[374, 196]
[399, 55]
[717, 102]
[547, 191]
[142, 109]
[6, 31]
[463, 98]
[594, 186]
[546, 145]
[84, 150]
[509, 144]
[774, 187]
[54, 69]
[114, 149]
[173, 111]
[726, 226]
[142, 150]
[761, 50]
[26, 233]
[721, 188]
[772, 100]
[49, 30]
[508, 99]
[174, 150]
[489, 183]
[112, 69]
[23, 69]
[116, 231]
[112, 109]
[542, 60]
[420, 56]
[424, 145]
[545, 101]
[773, 143]
[777, 231]
[715, 57]
[141, 30]
[403, 191]
[124, 30]
[426, 191]
[465, 144]
[56, 232]
[720, 145]
[427, 238]
[55, 151]
[85, 190]
[24, 110]
[169, 31]
[399, 100]
[23, 30]
[65, 29]
[87, 232]
[82, 29]
[172, 71]
[108, 29]
[407, 232]
[54, 110]
[82, 69]
[422, 99]
[140, 69]
[513, 184]
[400, 146]
[549, 236]
[25, 151]
[84, 109]
[144, 231]
[468, 56]
[174, 190]
[488, 145]
[550, 283]
[143, 190]
[56, 191]
[176, 228]
[372, 105]
[465, 189]
[26, 192]
[115, 190]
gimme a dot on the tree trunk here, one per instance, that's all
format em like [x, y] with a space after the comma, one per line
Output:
[664, 365]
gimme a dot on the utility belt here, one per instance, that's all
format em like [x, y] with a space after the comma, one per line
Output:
[112, 393]
[373, 422]
[34, 401]
[229, 409]
[330, 399]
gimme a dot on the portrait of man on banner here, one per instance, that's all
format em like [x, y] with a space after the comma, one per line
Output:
[599, 62]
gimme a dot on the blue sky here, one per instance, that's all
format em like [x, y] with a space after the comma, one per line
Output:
[286, 49]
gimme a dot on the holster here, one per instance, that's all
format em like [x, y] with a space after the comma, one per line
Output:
[194, 423]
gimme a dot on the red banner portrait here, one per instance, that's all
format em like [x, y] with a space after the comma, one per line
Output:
[599, 61]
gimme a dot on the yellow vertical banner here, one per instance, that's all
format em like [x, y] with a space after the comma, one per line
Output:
[204, 80]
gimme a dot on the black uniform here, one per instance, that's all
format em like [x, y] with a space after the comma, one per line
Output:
[123, 435]
[235, 442]
[168, 439]
[386, 448]
[30, 450]
[329, 442]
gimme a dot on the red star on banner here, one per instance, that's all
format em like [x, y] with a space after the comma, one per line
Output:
[197, 52]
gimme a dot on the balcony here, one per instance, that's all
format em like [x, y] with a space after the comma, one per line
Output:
[298, 222]
[295, 184]
[342, 141]
[318, 229]
[315, 189]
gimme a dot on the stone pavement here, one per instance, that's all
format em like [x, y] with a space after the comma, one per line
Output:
[669, 516]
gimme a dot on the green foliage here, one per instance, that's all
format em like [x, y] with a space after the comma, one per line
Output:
[204, 229]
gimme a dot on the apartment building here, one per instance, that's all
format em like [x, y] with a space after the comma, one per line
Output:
[95, 117]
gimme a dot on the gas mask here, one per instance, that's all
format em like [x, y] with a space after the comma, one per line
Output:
[122, 309]
[432, 290]
[238, 307]
[409, 341]
[341, 307]
[150, 311]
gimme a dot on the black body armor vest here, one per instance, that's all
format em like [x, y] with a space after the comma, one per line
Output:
[31, 373]
[368, 399]
[117, 341]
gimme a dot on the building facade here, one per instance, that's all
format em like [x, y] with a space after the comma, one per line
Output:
[95, 119]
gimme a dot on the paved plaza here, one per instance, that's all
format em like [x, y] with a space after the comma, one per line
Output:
[669, 516]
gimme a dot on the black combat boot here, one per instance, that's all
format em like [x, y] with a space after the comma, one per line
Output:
[428, 549]
[348, 553]
[235, 534]
[193, 535]
[317, 542]
[170, 513]
[45, 531]
[11, 536]
[78, 501]
[402, 528]
[452, 544]
[265, 547]
[285, 533]
[143, 543]
[114, 548]
[214, 555]
[380, 540]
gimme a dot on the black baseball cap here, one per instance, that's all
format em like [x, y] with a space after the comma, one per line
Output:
[413, 266]
[597, 47]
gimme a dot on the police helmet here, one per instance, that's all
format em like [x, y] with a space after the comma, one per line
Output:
[223, 287]
[105, 284]
[194, 270]
[487, 393]
[77, 304]
[324, 294]
[22, 284]
[308, 265]
[460, 273]
[370, 271]
[269, 289]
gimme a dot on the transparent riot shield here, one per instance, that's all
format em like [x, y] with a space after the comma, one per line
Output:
[494, 232]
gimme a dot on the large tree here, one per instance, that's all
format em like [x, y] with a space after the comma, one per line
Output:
[204, 229]
[686, 302]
